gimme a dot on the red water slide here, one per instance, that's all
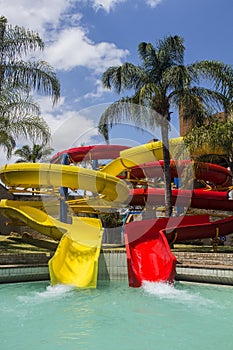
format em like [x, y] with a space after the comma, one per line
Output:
[148, 254]
[199, 198]
[213, 173]
[78, 154]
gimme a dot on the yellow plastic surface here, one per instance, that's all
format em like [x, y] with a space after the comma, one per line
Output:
[76, 259]
[34, 175]
[134, 156]
[31, 214]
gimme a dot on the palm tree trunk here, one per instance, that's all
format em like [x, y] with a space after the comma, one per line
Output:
[167, 170]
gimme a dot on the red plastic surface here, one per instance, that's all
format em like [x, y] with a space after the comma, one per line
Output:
[202, 199]
[148, 254]
[213, 173]
[78, 154]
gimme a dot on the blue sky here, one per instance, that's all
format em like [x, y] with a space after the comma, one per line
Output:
[84, 37]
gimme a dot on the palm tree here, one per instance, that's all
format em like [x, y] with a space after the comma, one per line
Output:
[19, 116]
[33, 154]
[161, 82]
[19, 113]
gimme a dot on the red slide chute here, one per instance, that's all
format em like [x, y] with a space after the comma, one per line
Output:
[78, 154]
[149, 257]
[213, 173]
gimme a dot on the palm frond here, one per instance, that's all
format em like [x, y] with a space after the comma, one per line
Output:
[123, 77]
[7, 142]
[217, 73]
[37, 75]
[172, 48]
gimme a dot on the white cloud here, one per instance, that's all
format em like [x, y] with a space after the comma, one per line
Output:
[98, 91]
[34, 15]
[73, 48]
[153, 3]
[106, 5]
[68, 129]
[58, 23]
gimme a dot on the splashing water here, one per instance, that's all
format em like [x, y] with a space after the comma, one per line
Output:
[169, 291]
[51, 292]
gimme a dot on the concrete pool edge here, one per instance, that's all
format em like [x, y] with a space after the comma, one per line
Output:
[197, 267]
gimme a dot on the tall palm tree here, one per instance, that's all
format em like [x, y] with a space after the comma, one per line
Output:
[19, 113]
[33, 154]
[163, 82]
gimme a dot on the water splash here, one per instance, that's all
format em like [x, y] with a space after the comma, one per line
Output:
[169, 291]
[51, 292]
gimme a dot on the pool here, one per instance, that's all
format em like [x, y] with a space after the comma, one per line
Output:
[113, 316]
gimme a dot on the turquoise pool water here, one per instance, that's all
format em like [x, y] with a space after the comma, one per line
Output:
[116, 317]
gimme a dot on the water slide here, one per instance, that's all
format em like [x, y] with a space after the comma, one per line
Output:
[93, 152]
[81, 239]
[213, 174]
[149, 257]
[197, 198]
[144, 239]
[74, 260]
[35, 175]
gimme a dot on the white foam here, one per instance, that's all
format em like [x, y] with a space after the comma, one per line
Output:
[51, 292]
[55, 291]
[169, 291]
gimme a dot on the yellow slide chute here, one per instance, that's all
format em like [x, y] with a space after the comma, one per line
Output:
[148, 152]
[76, 259]
[32, 214]
[34, 175]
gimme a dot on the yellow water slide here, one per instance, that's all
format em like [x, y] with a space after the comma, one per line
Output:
[76, 259]
[35, 175]
[148, 152]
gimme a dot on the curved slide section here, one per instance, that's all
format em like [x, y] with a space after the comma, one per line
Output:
[34, 175]
[213, 173]
[145, 153]
[31, 214]
[76, 259]
[96, 152]
[202, 199]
